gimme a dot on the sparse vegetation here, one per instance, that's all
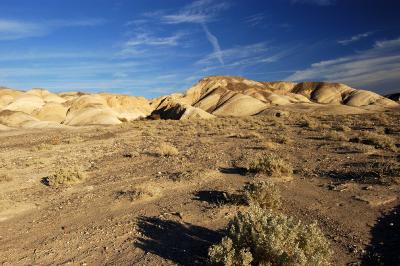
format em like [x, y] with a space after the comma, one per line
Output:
[271, 165]
[65, 176]
[309, 123]
[377, 140]
[133, 194]
[5, 178]
[263, 194]
[186, 175]
[166, 149]
[283, 139]
[261, 237]
[336, 136]
[269, 145]
[344, 128]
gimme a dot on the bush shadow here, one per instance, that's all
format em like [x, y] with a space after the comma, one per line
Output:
[182, 243]
[385, 245]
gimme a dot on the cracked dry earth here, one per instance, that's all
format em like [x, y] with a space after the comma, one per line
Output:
[137, 207]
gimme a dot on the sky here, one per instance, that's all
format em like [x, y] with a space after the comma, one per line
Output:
[153, 48]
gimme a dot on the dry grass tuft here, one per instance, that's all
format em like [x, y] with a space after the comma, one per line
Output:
[377, 140]
[269, 145]
[186, 175]
[65, 177]
[5, 178]
[344, 128]
[263, 194]
[133, 194]
[309, 123]
[271, 165]
[337, 136]
[282, 139]
[261, 237]
[166, 149]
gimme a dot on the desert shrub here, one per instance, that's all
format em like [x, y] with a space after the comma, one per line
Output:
[133, 194]
[186, 175]
[5, 178]
[362, 148]
[268, 145]
[282, 139]
[309, 123]
[334, 135]
[263, 194]
[344, 128]
[166, 149]
[271, 165]
[65, 176]
[377, 140]
[387, 171]
[42, 147]
[261, 237]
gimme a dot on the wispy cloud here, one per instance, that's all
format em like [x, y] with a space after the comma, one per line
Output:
[377, 67]
[19, 29]
[315, 2]
[255, 19]
[14, 29]
[355, 38]
[236, 53]
[215, 43]
[146, 44]
[201, 11]
[142, 39]
[29, 55]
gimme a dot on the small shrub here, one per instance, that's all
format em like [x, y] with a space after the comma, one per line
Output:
[263, 194]
[309, 123]
[269, 145]
[387, 172]
[166, 149]
[133, 194]
[260, 237]
[377, 140]
[362, 148]
[282, 139]
[271, 165]
[64, 176]
[5, 178]
[344, 128]
[337, 136]
[186, 175]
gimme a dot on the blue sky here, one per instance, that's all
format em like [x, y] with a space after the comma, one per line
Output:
[151, 48]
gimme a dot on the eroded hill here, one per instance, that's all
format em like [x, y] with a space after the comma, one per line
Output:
[210, 97]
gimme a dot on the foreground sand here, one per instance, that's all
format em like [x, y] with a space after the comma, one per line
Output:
[350, 189]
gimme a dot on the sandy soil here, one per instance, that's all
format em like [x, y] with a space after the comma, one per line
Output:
[343, 185]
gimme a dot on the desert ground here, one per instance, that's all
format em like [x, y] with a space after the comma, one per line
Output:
[156, 192]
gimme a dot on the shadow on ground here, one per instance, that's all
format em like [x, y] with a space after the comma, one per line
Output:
[233, 170]
[385, 244]
[182, 243]
[214, 197]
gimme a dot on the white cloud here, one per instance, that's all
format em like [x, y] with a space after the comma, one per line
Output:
[13, 29]
[201, 11]
[255, 19]
[315, 2]
[147, 39]
[355, 38]
[236, 53]
[377, 67]
[18, 29]
[28, 55]
[215, 43]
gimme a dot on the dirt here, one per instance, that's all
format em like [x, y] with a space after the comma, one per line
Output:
[133, 210]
